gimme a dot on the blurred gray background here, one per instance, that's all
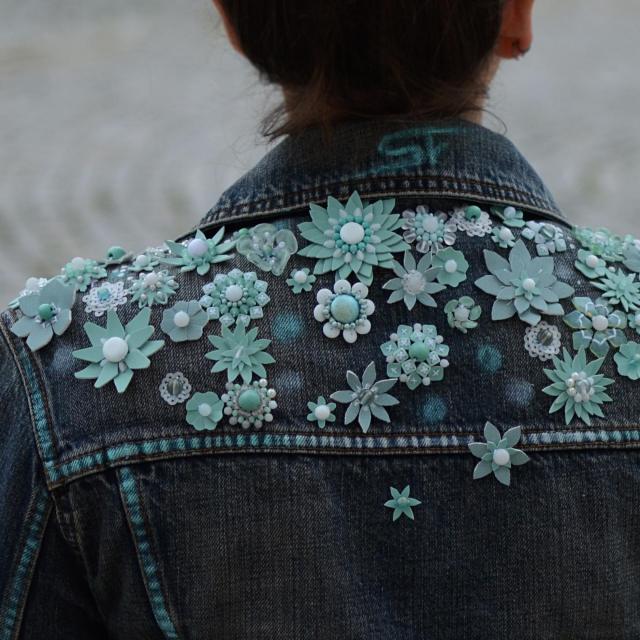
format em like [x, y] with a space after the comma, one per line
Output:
[121, 121]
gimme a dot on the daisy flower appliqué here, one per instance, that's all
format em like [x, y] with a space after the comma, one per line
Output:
[431, 232]
[352, 238]
[344, 310]
[249, 405]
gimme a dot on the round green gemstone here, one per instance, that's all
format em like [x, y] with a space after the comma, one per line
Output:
[115, 253]
[345, 309]
[249, 400]
[46, 311]
[419, 351]
[473, 212]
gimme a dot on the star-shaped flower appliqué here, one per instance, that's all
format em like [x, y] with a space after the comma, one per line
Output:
[366, 398]
[240, 353]
[620, 288]
[352, 238]
[82, 272]
[578, 387]
[414, 282]
[117, 351]
[402, 503]
[523, 285]
[152, 288]
[498, 454]
[200, 252]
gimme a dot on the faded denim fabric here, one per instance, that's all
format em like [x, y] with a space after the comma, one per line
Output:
[118, 519]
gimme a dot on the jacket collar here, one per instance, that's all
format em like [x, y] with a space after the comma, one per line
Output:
[454, 159]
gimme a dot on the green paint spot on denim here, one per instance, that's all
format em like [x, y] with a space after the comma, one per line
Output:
[489, 358]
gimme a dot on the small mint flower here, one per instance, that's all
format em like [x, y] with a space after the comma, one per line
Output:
[620, 288]
[184, 321]
[577, 386]
[301, 280]
[82, 272]
[45, 312]
[632, 255]
[548, 237]
[239, 354]
[321, 412]
[414, 282]
[152, 288]
[498, 454]
[352, 238]
[510, 216]
[503, 237]
[600, 242]
[116, 352]
[633, 320]
[431, 232]
[462, 314]
[453, 267]
[628, 360]
[199, 253]
[590, 264]
[401, 503]
[204, 411]
[267, 247]
[366, 398]
[523, 285]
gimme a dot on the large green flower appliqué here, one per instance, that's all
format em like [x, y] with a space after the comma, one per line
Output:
[523, 285]
[352, 238]
[577, 386]
[240, 354]
[620, 288]
[117, 351]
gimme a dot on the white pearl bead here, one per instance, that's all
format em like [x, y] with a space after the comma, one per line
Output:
[197, 247]
[115, 349]
[430, 223]
[181, 319]
[501, 457]
[322, 412]
[78, 263]
[450, 266]
[461, 313]
[151, 280]
[300, 277]
[204, 410]
[509, 212]
[600, 323]
[506, 234]
[352, 233]
[141, 261]
[529, 284]
[233, 293]
[592, 261]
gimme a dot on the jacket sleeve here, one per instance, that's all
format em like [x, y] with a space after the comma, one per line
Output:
[42, 590]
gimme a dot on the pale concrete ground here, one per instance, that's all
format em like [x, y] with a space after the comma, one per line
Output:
[121, 122]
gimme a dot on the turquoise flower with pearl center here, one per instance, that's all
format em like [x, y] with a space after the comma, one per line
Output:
[184, 321]
[82, 272]
[200, 252]
[352, 238]
[152, 288]
[116, 352]
[321, 412]
[204, 411]
[620, 288]
[414, 282]
[249, 405]
[301, 280]
[452, 267]
[498, 454]
[462, 314]
[590, 264]
[402, 503]
[344, 310]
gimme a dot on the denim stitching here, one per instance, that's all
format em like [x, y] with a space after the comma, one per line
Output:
[17, 594]
[133, 508]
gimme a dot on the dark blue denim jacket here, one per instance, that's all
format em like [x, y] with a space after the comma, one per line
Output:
[423, 423]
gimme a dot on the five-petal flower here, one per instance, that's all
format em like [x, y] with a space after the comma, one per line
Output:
[452, 266]
[184, 321]
[204, 411]
[321, 412]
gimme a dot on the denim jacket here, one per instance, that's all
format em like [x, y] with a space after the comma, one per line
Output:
[384, 390]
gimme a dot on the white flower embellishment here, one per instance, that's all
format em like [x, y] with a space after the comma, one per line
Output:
[344, 310]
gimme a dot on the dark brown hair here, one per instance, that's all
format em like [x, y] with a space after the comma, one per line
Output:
[346, 59]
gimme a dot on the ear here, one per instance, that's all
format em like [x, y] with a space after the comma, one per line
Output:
[228, 27]
[516, 31]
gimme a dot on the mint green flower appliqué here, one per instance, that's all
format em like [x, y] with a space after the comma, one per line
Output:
[498, 454]
[117, 351]
[199, 253]
[352, 239]
[628, 360]
[523, 285]
[366, 398]
[321, 412]
[600, 242]
[184, 321]
[548, 237]
[402, 503]
[590, 264]
[633, 320]
[510, 216]
[577, 386]
[267, 247]
[416, 355]
[152, 288]
[503, 237]
[598, 327]
[249, 405]
[82, 272]
[620, 288]
[462, 314]
[301, 280]
[45, 312]
[240, 354]
[414, 282]
[431, 232]
[204, 411]
[453, 267]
